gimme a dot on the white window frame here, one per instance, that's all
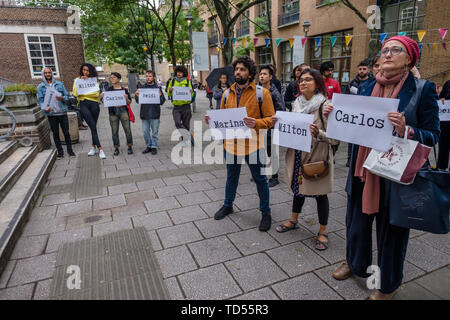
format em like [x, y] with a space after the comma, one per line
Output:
[30, 64]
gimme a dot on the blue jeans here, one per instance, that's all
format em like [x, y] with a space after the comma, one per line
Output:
[233, 173]
[151, 139]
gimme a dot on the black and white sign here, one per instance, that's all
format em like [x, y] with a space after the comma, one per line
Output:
[50, 100]
[362, 120]
[229, 124]
[444, 110]
[87, 86]
[114, 98]
[292, 130]
[149, 96]
[181, 94]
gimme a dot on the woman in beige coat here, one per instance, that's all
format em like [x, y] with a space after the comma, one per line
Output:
[311, 101]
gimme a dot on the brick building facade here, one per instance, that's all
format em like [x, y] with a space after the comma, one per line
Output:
[32, 38]
[332, 18]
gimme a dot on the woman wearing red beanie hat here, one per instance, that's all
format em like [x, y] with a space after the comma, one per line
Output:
[368, 194]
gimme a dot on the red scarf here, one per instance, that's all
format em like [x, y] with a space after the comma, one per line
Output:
[371, 190]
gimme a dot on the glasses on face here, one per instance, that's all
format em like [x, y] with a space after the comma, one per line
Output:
[395, 51]
[301, 80]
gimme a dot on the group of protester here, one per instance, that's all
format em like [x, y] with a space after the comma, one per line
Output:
[389, 75]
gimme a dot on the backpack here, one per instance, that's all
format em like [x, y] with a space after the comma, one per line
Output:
[187, 85]
[259, 97]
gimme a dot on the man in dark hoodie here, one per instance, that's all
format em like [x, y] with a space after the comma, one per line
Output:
[56, 116]
[150, 114]
[364, 76]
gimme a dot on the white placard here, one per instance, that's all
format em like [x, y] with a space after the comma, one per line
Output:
[214, 61]
[87, 86]
[444, 110]
[50, 100]
[292, 130]
[200, 51]
[115, 98]
[149, 96]
[181, 94]
[229, 124]
[362, 120]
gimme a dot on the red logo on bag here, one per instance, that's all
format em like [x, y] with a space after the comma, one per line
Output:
[392, 156]
[389, 154]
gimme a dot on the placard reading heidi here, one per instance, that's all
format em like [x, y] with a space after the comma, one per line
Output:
[87, 86]
[292, 130]
[149, 96]
[181, 94]
[229, 124]
[114, 98]
[362, 120]
[444, 110]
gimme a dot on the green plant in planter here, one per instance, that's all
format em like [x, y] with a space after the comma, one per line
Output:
[21, 87]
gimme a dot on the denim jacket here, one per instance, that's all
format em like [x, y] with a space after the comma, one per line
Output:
[58, 86]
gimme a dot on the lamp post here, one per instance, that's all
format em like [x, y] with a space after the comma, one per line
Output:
[189, 19]
[306, 25]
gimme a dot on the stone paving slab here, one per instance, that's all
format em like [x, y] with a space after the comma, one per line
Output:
[33, 269]
[213, 228]
[262, 294]
[251, 241]
[29, 247]
[24, 292]
[57, 239]
[213, 251]
[175, 261]
[179, 234]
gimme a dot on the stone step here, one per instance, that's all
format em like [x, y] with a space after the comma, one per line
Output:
[12, 168]
[16, 207]
[7, 148]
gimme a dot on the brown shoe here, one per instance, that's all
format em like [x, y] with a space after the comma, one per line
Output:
[378, 295]
[342, 272]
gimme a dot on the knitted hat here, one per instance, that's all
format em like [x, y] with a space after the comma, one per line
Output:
[411, 46]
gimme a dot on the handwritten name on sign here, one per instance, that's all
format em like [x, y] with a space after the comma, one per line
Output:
[50, 100]
[229, 124]
[362, 120]
[149, 96]
[292, 130]
[87, 86]
[181, 94]
[444, 110]
[114, 98]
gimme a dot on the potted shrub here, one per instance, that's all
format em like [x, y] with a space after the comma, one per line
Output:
[20, 95]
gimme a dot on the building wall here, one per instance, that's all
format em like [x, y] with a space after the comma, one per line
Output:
[15, 21]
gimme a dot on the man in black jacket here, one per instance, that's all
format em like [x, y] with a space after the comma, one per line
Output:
[150, 114]
[444, 139]
[363, 76]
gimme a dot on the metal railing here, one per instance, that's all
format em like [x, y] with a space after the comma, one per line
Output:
[242, 31]
[289, 17]
[11, 115]
[212, 40]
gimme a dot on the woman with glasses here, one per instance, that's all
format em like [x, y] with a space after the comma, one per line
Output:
[311, 101]
[368, 194]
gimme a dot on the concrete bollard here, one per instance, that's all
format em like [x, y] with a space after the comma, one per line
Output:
[73, 129]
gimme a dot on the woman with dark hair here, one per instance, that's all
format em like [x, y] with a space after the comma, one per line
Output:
[292, 90]
[220, 87]
[89, 108]
[311, 101]
[368, 195]
[119, 113]
[375, 65]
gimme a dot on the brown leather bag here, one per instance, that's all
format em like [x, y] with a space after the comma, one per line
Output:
[319, 169]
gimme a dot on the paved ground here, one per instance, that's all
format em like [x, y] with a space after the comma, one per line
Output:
[201, 258]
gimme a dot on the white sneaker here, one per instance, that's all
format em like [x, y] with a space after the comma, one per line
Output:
[102, 154]
[91, 152]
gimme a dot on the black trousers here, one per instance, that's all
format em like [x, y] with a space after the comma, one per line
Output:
[392, 241]
[323, 207]
[55, 122]
[269, 148]
[182, 116]
[444, 145]
[91, 111]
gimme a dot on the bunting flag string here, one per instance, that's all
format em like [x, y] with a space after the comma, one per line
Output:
[421, 34]
[383, 37]
[291, 42]
[318, 41]
[255, 41]
[333, 41]
[434, 47]
[348, 39]
[225, 41]
[402, 33]
[278, 40]
[304, 42]
[244, 42]
[267, 42]
[443, 33]
[234, 40]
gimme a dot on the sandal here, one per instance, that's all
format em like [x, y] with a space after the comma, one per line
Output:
[320, 245]
[282, 228]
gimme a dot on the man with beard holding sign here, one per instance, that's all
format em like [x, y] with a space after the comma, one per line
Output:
[243, 93]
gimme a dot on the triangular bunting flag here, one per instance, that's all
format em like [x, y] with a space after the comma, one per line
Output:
[444, 45]
[218, 49]
[383, 37]
[434, 47]
[234, 40]
[304, 42]
[278, 41]
[420, 47]
[421, 34]
[318, 41]
[348, 39]
[291, 42]
[429, 46]
[267, 42]
[244, 41]
[333, 41]
[402, 33]
[255, 41]
[225, 41]
[443, 33]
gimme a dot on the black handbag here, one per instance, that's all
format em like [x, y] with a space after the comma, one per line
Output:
[423, 205]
